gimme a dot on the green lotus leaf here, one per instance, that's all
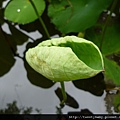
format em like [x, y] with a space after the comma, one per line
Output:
[66, 59]
[22, 11]
[71, 15]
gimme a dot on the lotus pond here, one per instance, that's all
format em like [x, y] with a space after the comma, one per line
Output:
[63, 51]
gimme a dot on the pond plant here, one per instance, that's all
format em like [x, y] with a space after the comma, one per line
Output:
[96, 21]
[66, 59]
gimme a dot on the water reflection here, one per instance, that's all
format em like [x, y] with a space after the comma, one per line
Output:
[12, 108]
[70, 100]
[94, 85]
[44, 99]
[22, 84]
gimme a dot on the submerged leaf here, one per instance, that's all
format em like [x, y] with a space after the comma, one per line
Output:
[22, 11]
[66, 58]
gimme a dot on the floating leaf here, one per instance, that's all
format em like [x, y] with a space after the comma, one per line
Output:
[6, 56]
[22, 11]
[111, 38]
[71, 15]
[110, 45]
[112, 71]
[65, 59]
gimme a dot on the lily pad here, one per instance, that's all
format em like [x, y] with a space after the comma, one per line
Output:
[66, 59]
[112, 71]
[110, 40]
[71, 15]
[110, 45]
[22, 11]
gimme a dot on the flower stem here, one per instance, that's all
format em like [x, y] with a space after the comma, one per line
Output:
[63, 93]
[40, 19]
[107, 21]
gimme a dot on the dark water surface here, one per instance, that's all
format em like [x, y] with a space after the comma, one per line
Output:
[15, 86]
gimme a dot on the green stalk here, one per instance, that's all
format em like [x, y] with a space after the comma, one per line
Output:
[107, 21]
[40, 19]
[63, 93]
